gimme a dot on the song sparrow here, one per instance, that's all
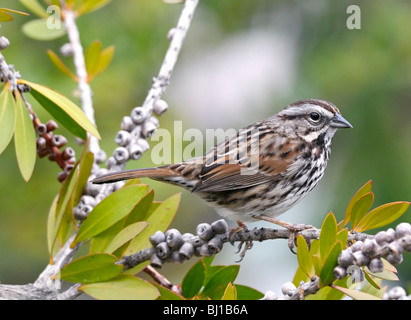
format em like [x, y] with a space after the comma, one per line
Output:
[263, 170]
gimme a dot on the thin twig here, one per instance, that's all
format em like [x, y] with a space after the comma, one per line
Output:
[81, 71]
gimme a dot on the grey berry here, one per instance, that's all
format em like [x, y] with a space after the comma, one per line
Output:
[215, 245]
[219, 226]
[163, 250]
[346, 258]
[186, 251]
[121, 154]
[403, 229]
[174, 239]
[138, 115]
[122, 138]
[157, 238]
[376, 265]
[159, 107]
[205, 231]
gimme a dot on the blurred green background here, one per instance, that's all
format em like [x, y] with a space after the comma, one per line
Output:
[242, 61]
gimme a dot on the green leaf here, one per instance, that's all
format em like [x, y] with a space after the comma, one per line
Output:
[342, 235]
[60, 64]
[100, 242]
[361, 208]
[51, 225]
[101, 62]
[63, 206]
[230, 292]
[125, 235]
[123, 287]
[370, 279]
[35, 7]
[43, 29]
[5, 17]
[166, 294]
[7, 117]
[92, 57]
[160, 219]
[328, 235]
[304, 259]
[329, 293]
[362, 191]
[214, 289]
[87, 6]
[14, 11]
[329, 263]
[247, 293]
[91, 268]
[382, 215]
[194, 280]
[24, 139]
[139, 212]
[357, 295]
[109, 211]
[63, 110]
[85, 164]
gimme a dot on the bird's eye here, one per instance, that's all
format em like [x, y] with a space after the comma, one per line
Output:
[315, 117]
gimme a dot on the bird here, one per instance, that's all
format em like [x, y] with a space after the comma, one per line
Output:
[261, 171]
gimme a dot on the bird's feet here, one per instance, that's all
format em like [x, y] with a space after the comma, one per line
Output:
[293, 228]
[248, 244]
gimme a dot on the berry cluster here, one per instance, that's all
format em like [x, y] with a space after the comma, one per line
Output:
[132, 138]
[132, 141]
[176, 247]
[50, 145]
[386, 244]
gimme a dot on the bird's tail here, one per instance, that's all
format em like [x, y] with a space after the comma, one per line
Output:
[158, 172]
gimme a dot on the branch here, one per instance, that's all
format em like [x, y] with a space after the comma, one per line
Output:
[81, 71]
[172, 246]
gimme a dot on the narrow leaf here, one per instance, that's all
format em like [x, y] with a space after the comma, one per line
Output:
[51, 225]
[60, 65]
[193, 280]
[102, 63]
[123, 287]
[125, 235]
[370, 279]
[357, 295]
[382, 215]
[166, 294]
[62, 206]
[7, 117]
[35, 7]
[328, 235]
[304, 259]
[90, 6]
[159, 220]
[63, 110]
[214, 289]
[5, 17]
[92, 57]
[329, 263]
[247, 293]
[361, 208]
[91, 268]
[110, 210]
[362, 191]
[230, 292]
[100, 242]
[25, 139]
[15, 11]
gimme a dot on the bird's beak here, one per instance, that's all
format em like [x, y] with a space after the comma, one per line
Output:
[339, 122]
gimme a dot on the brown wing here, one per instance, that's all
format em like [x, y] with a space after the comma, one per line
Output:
[240, 169]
